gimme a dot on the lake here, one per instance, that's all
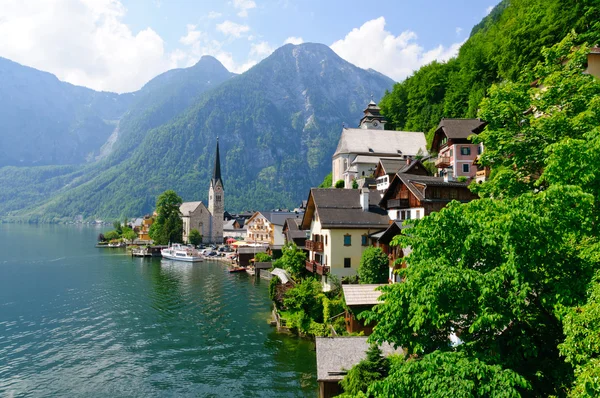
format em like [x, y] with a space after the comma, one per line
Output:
[76, 320]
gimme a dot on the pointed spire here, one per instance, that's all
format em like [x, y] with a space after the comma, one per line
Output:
[217, 169]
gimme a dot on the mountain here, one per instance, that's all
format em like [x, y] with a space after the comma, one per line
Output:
[159, 101]
[46, 121]
[278, 125]
[503, 45]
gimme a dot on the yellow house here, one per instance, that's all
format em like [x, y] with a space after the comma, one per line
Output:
[267, 227]
[144, 231]
[340, 222]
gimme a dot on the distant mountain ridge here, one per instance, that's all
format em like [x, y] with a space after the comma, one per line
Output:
[278, 124]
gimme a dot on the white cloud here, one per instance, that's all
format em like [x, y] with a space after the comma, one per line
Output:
[244, 6]
[192, 36]
[213, 15]
[488, 10]
[459, 31]
[371, 46]
[261, 50]
[83, 42]
[293, 40]
[232, 29]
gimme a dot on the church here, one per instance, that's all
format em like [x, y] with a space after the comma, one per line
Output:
[360, 149]
[207, 220]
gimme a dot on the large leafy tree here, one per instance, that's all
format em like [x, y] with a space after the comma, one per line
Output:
[371, 369]
[509, 275]
[292, 259]
[373, 266]
[168, 227]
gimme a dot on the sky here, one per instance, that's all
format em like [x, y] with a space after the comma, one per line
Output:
[119, 45]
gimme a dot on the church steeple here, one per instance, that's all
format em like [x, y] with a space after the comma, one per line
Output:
[217, 169]
[373, 119]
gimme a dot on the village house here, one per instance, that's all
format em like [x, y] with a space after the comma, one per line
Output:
[207, 220]
[293, 233]
[359, 149]
[337, 355]
[593, 67]
[267, 227]
[359, 298]
[387, 168]
[383, 240]
[339, 222]
[232, 228]
[455, 150]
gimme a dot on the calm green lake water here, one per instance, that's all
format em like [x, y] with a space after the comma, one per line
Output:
[81, 321]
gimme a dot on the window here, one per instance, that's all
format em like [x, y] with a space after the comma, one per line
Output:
[364, 240]
[347, 263]
[348, 240]
[436, 193]
[453, 194]
[418, 214]
[465, 168]
[479, 150]
[465, 150]
[408, 214]
[325, 240]
[451, 152]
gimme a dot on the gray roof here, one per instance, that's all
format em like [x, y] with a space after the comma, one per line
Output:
[366, 159]
[279, 217]
[294, 231]
[282, 274]
[187, 207]
[381, 142]
[340, 208]
[228, 225]
[392, 165]
[361, 294]
[337, 355]
[460, 128]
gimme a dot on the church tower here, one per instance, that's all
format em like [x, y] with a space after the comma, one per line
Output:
[373, 119]
[216, 201]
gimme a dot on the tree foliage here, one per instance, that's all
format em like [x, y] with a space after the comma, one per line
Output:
[503, 45]
[511, 274]
[327, 181]
[262, 258]
[128, 234]
[168, 226]
[340, 184]
[195, 237]
[306, 297]
[292, 259]
[374, 266]
[371, 369]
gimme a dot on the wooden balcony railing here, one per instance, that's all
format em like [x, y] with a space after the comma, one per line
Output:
[482, 173]
[315, 267]
[313, 246]
[442, 162]
[397, 204]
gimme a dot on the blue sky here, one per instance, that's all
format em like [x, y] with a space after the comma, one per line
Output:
[118, 45]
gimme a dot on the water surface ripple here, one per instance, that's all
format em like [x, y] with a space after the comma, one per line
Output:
[76, 320]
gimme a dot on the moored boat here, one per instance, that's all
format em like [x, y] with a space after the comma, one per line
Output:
[181, 253]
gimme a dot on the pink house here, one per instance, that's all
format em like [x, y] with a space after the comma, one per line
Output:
[455, 150]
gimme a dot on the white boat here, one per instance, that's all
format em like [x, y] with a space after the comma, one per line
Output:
[181, 253]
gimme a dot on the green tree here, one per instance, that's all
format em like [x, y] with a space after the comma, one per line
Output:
[354, 184]
[371, 369]
[111, 235]
[195, 237]
[292, 259]
[374, 266]
[168, 226]
[128, 234]
[305, 297]
[340, 184]
[262, 258]
[327, 181]
[118, 227]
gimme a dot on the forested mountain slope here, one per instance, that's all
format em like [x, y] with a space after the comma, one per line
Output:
[505, 43]
[278, 125]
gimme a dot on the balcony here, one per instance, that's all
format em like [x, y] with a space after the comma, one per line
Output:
[313, 246]
[442, 162]
[315, 267]
[397, 204]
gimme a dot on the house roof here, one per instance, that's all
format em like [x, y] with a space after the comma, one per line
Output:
[365, 159]
[282, 275]
[293, 229]
[336, 355]
[229, 224]
[457, 129]
[381, 142]
[187, 207]
[340, 208]
[394, 229]
[361, 294]
[392, 165]
[279, 217]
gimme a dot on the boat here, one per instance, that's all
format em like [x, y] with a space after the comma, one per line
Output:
[237, 269]
[140, 252]
[182, 253]
[117, 244]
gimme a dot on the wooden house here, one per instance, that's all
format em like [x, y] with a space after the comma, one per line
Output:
[359, 298]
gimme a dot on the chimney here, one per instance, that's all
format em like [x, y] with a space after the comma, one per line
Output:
[448, 177]
[408, 160]
[364, 199]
